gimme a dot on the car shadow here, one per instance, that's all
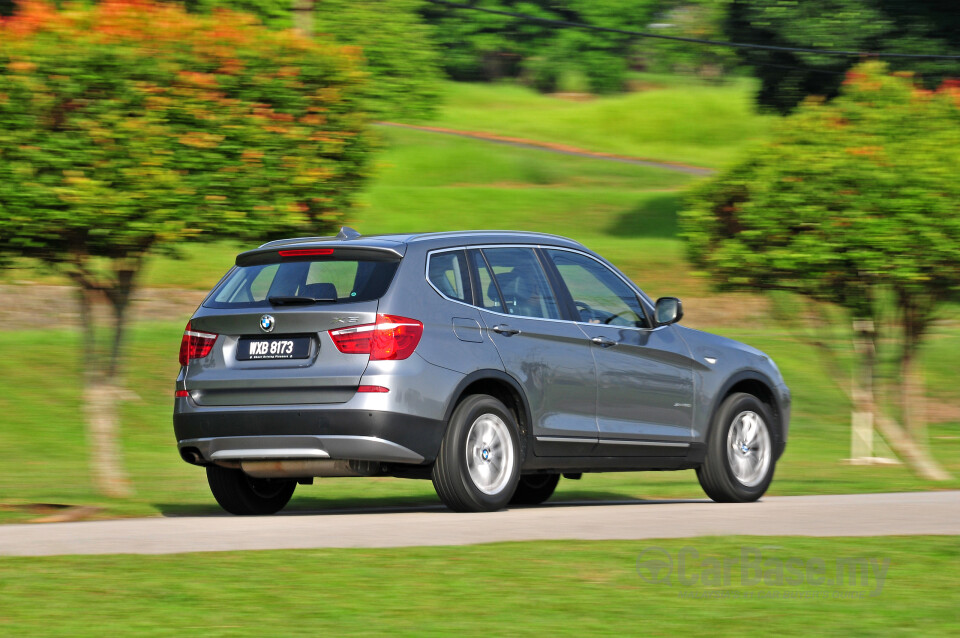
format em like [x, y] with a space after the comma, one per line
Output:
[410, 504]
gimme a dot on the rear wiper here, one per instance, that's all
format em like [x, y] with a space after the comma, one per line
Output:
[292, 299]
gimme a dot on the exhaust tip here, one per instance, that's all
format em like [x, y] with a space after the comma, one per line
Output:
[191, 455]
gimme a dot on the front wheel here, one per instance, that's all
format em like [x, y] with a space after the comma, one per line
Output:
[478, 466]
[241, 494]
[740, 461]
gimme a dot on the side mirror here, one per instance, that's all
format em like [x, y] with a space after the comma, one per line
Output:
[668, 310]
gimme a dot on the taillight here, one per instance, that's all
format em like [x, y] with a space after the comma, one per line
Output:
[390, 338]
[195, 345]
[376, 389]
[353, 340]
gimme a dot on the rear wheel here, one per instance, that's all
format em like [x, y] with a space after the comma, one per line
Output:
[240, 494]
[739, 464]
[534, 489]
[478, 466]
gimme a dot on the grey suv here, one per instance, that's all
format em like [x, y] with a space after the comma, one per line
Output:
[489, 362]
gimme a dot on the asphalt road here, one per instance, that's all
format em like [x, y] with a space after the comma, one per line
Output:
[839, 515]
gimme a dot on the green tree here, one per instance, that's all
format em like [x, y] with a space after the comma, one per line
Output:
[485, 46]
[909, 26]
[398, 51]
[127, 128]
[398, 48]
[703, 19]
[854, 202]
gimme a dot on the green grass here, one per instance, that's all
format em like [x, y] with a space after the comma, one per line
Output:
[43, 453]
[517, 589]
[688, 122]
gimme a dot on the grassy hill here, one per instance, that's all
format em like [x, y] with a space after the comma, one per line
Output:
[674, 119]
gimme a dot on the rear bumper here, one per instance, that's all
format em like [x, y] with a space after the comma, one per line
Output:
[242, 448]
[306, 432]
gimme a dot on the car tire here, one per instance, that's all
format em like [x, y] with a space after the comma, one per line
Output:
[534, 489]
[243, 495]
[740, 461]
[478, 466]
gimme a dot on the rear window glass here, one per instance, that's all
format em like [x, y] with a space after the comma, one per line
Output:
[345, 280]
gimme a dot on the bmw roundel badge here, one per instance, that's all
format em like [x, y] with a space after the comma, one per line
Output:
[266, 323]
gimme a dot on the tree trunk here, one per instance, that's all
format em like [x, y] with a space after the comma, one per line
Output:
[912, 399]
[102, 388]
[303, 17]
[101, 396]
[906, 447]
[862, 390]
[911, 386]
[100, 406]
[916, 457]
[88, 342]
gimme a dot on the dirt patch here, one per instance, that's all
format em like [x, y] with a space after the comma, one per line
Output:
[39, 307]
[705, 313]
[52, 512]
[27, 306]
[570, 96]
[31, 307]
[639, 86]
[941, 411]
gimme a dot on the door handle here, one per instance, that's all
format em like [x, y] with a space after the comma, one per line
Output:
[505, 330]
[603, 342]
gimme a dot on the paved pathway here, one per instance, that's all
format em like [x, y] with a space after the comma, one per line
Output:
[551, 147]
[840, 515]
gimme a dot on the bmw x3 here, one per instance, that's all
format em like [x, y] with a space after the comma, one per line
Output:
[489, 362]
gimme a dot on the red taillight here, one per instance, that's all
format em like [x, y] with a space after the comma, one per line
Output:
[181, 394]
[372, 388]
[306, 252]
[395, 337]
[195, 345]
[390, 338]
[353, 340]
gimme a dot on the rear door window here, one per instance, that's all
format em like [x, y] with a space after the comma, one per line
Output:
[521, 282]
[488, 296]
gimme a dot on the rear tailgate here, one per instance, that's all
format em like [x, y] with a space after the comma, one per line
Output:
[279, 352]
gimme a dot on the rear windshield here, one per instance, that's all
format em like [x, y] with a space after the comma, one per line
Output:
[343, 280]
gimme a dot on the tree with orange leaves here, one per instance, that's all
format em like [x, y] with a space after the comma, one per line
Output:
[130, 127]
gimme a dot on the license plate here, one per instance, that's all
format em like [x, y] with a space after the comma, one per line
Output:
[256, 349]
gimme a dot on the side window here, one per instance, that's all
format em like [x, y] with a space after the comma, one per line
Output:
[488, 295]
[599, 294]
[448, 273]
[522, 282]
